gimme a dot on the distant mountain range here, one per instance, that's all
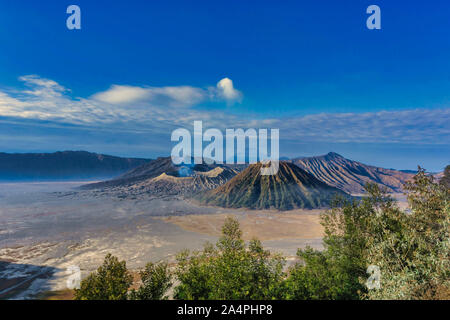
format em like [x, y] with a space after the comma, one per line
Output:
[301, 183]
[351, 176]
[306, 182]
[63, 166]
[290, 188]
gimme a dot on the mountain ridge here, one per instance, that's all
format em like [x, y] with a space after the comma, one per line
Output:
[161, 177]
[63, 165]
[351, 176]
[153, 169]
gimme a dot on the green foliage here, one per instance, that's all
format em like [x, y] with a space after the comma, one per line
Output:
[311, 279]
[411, 248]
[110, 282]
[335, 272]
[230, 270]
[156, 280]
[445, 181]
[415, 257]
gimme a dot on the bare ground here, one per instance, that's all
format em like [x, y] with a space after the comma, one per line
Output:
[47, 227]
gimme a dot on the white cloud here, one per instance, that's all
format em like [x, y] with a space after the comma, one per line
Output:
[121, 94]
[161, 109]
[42, 87]
[404, 126]
[178, 96]
[227, 91]
[45, 99]
[173, 96]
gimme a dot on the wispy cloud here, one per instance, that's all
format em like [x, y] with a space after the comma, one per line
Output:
[158, 110]
[405, 126]
[45, 99]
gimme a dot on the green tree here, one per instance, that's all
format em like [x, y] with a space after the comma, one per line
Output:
[446, 178]
[410, 247]
[156, 281]
[230, 269]
[110, 282]
[335, 272]
[414, 259]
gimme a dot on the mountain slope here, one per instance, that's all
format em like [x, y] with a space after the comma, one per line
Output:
[167, 185]
[290, 188]
[152, 169]
[63, 165]
[161, 177]
[351, 176]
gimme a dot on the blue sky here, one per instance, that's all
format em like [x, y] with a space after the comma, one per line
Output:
[139, 69]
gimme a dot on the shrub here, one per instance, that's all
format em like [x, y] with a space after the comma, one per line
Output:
[414, 259]
[156, 281]
[411, 248]
[110, 282]
[230, 269]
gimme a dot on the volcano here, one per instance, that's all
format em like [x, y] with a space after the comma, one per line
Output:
[290, 188]
[153, 169]
[161, 177]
